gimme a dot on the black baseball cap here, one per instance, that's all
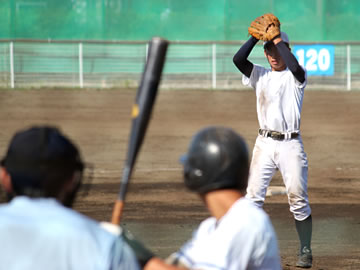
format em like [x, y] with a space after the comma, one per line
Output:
[37, 151]
[284, 37]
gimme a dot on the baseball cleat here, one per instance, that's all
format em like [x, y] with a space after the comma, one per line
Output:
[305, 258]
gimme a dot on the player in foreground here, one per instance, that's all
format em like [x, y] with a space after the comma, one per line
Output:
[41, 174]
[238, 235]
[279, 96]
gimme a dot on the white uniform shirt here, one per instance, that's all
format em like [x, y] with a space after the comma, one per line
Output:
[279, 98]
[242, 239]
[43, 234]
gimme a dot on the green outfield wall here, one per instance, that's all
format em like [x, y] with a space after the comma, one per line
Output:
[182, 20]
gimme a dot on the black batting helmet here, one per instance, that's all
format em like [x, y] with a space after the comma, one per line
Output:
[217, 159]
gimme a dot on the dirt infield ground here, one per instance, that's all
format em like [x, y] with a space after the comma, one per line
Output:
[158, 209]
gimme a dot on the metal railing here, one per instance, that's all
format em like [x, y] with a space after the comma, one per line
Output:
[101, 64]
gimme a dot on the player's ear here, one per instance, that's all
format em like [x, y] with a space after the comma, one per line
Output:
[73, 183]
[5, 179]
[265, 53]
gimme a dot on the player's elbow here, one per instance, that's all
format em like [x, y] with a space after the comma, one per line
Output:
[235, 60]
[298, 72]
[238, 62]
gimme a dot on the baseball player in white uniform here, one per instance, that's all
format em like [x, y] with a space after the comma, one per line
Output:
[279, 96]
[41, 174]
[238, 235]
[241, 239]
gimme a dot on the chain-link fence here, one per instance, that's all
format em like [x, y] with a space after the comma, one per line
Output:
[120, 64]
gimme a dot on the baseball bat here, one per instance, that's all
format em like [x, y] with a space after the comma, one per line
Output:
[141, 112]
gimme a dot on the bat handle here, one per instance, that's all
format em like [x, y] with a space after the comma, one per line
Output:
[117, 212]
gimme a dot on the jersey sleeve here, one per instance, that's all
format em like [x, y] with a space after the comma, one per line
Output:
[123, 258]
[256, 74]
[183, 256]
[266, 255]
[255, 249]
[194, 254]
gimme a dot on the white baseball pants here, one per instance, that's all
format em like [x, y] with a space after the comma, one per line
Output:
[289, 157]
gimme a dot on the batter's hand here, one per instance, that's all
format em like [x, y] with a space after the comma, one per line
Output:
[265, 27]
[174, 260]
[142, 254]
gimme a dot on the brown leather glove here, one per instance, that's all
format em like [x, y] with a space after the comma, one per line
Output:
[265, 27]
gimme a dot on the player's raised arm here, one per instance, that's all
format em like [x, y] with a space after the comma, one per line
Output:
[240, 58]
[289, 59]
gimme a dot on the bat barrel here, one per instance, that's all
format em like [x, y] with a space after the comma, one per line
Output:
[156, 58]
[141, 112]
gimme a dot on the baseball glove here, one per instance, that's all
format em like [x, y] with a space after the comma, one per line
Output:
[265, 27]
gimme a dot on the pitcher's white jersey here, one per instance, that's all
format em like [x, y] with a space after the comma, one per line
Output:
[242, 239]
[279, 98]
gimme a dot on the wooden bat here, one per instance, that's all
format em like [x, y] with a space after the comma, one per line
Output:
[141, 112]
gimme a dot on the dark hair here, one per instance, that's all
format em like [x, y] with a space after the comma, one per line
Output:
[269, 43]
[40, 160]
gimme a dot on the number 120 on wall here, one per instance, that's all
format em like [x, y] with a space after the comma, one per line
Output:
[317, 59]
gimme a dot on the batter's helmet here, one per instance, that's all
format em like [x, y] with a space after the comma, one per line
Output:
[217, 159]
[39, 161]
